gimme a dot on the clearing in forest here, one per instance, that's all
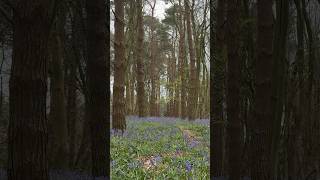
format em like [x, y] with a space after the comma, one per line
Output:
[161, 148]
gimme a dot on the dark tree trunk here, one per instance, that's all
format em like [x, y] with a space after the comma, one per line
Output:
[261, 137]
[140, 65]
[97, 85]
[218, 71]
[278, 79]
[28, 135]
[72, 113]
[118, 108]
[233, 88]
[58, 146]
[295, 143]
[309, 141]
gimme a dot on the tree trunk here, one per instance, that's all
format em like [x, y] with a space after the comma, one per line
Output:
[294, 144]
[233, 88]
[309, 126]
[118, 108]
[58, 122]
[72, 114]
[58, 145]
[183, 93]
[140, 64]
[28, 140]
[98, 97]
[261, 137]
[216, 110]
[193, 79]
[153, 98]
[175, 86]
[278, 79]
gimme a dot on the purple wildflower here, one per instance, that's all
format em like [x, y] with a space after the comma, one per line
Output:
[188, 166]
[193, 144]
[132, 165]
[113, 163]
[158, 159]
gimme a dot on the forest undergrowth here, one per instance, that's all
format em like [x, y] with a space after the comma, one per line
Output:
[161, 148]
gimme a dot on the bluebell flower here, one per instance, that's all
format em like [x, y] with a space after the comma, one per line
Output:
[125, 134]
[132, 165]
[158, 158]
[193, 144]
[113, 163]
[188, 166]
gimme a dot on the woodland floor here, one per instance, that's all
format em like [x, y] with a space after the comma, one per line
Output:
[161, 148]
[155, 148]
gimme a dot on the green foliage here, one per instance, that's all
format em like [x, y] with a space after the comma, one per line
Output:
[170, 16]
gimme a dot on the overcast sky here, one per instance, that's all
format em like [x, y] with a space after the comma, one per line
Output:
[160, 8]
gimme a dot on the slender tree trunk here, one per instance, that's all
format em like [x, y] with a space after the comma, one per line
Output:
[183, 93]
[193, 79]
[261, 137]
[140, 64]
[233, 88]
[128, 95]
[58, 120]
[72, 114]
[278, 79]
[81, 160]
[153, 96]
[175, 86]
[97, 87]
[218, 70]
[118, 107]
[295, 142]
[175, 95]
[1, 83]
[28, 137]
[309, 127]
[132, 95]
[197, 53]
[1, 98]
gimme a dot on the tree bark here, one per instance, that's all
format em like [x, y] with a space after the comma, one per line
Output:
[261, 137]
[218, 71]
[192, 107]
[233, 88]
[140, 64]
[295, 150]
[58, 136]
[309, 136]
[28, 135]
[183, 93]
[278, 80]
[97, 85]
[118, 107]
[153, 96]
[72, 113]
